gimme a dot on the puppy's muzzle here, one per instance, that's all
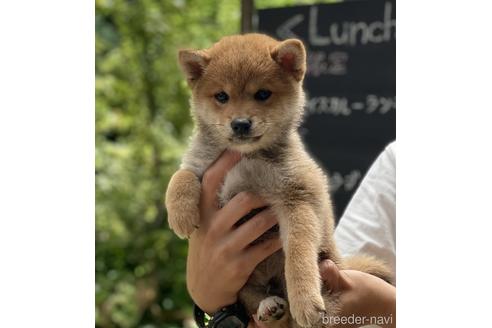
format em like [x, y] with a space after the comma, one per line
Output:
[241, 127]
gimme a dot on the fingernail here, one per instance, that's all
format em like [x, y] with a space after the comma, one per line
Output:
[326, 268]
[329, 263]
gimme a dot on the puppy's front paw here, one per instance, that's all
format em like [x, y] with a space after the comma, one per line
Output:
[272, 308]
[182, 198]
[183, 221]
[307, 310]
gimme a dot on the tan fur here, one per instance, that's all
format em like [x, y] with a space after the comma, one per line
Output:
[369, 264]
[274, 165]
[183, 192]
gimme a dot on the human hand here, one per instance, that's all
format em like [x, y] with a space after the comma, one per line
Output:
[361, 295]
[220, 258]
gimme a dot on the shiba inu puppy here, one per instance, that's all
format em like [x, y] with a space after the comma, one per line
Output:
[247, 96]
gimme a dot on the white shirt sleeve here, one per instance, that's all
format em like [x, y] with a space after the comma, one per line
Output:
[369, 221]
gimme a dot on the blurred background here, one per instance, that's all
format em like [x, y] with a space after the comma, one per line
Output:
[142, 128]
[143, 125]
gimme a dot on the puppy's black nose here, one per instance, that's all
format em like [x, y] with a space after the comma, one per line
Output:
[241, 126]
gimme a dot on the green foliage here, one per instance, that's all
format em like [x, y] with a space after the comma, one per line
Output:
[262, 4]
[142, 125]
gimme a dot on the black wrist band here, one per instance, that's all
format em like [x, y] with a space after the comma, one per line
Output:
[232, 316]
[199, 316]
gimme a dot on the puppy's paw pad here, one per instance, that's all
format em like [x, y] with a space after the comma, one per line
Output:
[272, 308]
[183, 224]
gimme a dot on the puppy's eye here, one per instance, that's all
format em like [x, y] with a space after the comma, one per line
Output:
[222, 97]
[262, 95]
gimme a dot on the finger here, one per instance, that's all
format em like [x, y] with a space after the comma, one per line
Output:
[214, 175]
[239, 206]
[345, 282]
[253, 255]
[258, 323]
[330, 275]
[252, 229]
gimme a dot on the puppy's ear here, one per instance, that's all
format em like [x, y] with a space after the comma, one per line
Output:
[193, 63]
[291, 55]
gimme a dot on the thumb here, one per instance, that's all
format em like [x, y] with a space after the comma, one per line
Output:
[330, 275]
[214, 176]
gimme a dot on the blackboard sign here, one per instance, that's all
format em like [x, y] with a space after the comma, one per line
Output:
[350, 83]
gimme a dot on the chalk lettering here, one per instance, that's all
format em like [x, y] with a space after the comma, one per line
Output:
[284, 31]
[348, 181]
[349, 33]
[341, 106]
[321, 64]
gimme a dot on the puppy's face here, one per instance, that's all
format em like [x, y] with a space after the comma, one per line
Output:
[246, 89]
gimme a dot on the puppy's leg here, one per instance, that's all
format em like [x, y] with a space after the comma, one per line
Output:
[301, 235]
[182, 199]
